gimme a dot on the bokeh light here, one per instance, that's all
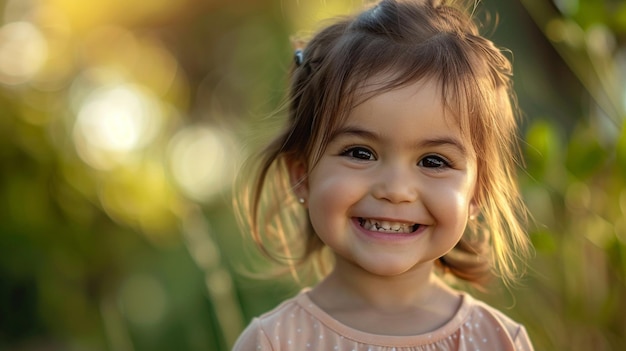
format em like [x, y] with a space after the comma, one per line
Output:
[113, 121]
[203, 161]
[566, 31]
[23, 51]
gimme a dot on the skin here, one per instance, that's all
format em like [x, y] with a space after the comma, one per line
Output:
[398, 163]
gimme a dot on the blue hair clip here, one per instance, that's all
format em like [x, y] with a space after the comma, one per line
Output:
[298, 57]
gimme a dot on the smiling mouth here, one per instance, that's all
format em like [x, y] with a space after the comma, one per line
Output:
[388, 227]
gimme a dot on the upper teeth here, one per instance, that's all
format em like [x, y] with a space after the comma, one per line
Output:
[385, 226]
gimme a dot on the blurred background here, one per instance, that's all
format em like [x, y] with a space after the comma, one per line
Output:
[122, 124]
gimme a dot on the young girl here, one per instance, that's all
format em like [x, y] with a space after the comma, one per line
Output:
[401, 134]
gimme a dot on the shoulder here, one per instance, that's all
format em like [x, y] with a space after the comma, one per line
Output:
[252, 338]
[263, 332]
[482, 313]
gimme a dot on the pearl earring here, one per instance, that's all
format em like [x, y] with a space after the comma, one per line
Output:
[301, 200]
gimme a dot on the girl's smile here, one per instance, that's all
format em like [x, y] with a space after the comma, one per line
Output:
[395, 184]
[384, 226]
[389, 232]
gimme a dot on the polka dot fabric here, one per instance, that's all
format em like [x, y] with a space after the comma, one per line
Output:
[299, 324]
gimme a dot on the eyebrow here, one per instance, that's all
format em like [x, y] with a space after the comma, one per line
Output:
[442, 141]
[354, 131]
[373, 136]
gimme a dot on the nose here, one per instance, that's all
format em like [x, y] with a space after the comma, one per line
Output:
[396, 184]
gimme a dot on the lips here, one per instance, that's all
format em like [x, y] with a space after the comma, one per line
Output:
[387, 226]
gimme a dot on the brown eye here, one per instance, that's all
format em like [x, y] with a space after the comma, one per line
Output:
[359, 153]
[433, 161]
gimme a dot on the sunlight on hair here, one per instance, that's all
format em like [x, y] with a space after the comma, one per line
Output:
[114, 121]
[202, 161]
[23, 51]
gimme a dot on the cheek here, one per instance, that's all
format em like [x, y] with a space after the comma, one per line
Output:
[450, 201]
[332, 193]
[330, 189]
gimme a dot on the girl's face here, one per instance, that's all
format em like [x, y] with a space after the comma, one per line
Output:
[394, 188]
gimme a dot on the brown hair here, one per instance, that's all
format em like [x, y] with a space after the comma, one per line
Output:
[406, 41]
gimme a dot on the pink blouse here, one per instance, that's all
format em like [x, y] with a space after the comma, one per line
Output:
[299, 324]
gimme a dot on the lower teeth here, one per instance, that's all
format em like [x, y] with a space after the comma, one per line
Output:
[376, 227]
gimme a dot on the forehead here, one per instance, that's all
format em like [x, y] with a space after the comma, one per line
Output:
[377, 88]
[414, 109]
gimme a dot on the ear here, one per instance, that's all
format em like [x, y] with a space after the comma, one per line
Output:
[298, 177]
[474, 209]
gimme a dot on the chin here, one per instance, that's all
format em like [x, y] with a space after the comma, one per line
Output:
[388, 270]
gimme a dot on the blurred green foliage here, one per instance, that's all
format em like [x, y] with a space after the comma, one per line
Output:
[121, 126]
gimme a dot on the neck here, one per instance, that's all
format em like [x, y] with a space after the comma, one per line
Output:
[351, 287]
